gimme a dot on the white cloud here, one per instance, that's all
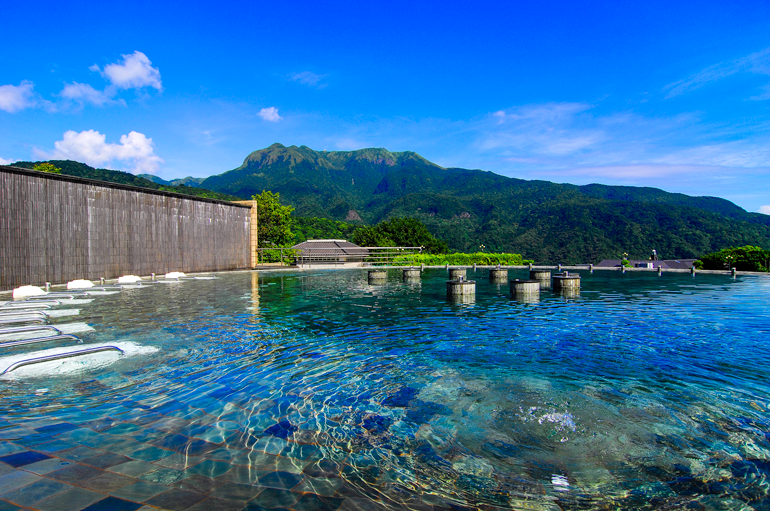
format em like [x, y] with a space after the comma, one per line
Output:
[757, 63]
[3, 161]
[17, 97]
[135, 72]
[547, 129]
[765, 210]
[349, 144]
[309, 78]
[91, 147]
[270, 114]
[84, 93]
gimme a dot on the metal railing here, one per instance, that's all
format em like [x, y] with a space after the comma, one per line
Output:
[36, 340]
[5, 320]
[30, 305]
[70, 296]
[22, 329]
[22, 312]
[329, 256]
[69, 354]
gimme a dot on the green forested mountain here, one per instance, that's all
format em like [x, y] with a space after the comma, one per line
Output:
[544, 221]
[184, 181]
[73, 168]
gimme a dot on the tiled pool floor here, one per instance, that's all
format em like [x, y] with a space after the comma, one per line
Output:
[155, 461]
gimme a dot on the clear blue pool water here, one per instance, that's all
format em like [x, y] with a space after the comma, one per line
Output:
[643, 392]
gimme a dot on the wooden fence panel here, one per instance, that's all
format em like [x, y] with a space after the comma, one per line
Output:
[56, 228]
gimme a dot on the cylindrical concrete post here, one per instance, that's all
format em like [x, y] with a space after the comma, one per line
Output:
[474, 266]
[692, 270]
[152, 276]
[660, 270]
[524, 287]
[422, 266]
[101, 280]
[530, 266]
[623, 269]
[566, 282]
[542, 276]
[377, 276]
[498, 274]
[411, 273]
[447, 266]
[456, 273]
[460, 287]
[733, 271]
[559, 266]
[47, 286]
[591, 266]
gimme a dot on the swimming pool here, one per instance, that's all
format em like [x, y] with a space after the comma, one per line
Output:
[317, 390]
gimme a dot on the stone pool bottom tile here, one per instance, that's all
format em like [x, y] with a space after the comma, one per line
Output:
[141, 464]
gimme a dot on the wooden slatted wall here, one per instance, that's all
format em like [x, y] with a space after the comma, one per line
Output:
[56, 228]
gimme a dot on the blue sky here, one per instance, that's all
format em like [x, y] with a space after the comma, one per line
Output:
[674, 95]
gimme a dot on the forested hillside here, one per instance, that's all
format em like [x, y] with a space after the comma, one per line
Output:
[541, 220]
[73, 168]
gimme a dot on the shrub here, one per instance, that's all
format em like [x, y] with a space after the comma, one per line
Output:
[746, 258]
[461, 259]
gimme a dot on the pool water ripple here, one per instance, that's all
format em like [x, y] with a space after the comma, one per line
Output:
[644, 392]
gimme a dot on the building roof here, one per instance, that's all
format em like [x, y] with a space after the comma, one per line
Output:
[330, 248]
[673, 264]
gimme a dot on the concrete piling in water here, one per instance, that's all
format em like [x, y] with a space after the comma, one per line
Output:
[530, 266]
[498, 274]
[474, 266]
[523, 288]
[692, 270]
[152, 276]
[542, 276]
[456, 273]
[566, 283]
[623, 269]
[461, 289]
[447, 266]
[47, 286]
[101, 280]
[591, 267]
[422, 266]
[559, 266]
[411, 273]
[660, 271]
[377, 276]
[733, 272]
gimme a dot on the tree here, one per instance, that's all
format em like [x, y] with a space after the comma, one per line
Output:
[274, 221]
[746, 258]
[400, 232]
[47, 167]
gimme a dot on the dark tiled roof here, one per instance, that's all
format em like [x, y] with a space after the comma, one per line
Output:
[673, 264]
[680, 264]
[330, 248]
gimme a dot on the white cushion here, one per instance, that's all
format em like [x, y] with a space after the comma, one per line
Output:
[80, 284]
[129, 279]
[25, 291]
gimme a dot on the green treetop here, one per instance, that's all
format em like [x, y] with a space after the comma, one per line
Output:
[274, 221]
[399, 232]
[47, 167]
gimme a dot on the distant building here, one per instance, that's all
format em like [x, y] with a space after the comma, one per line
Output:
[325, 253]
[668, 264]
